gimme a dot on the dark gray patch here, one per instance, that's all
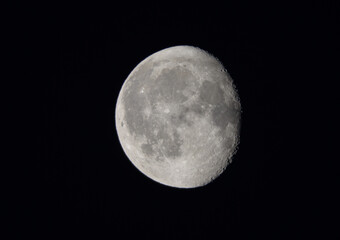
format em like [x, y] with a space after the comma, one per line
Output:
[199, 108]
[229, 143]
[211, 93]
[169, 85]
[223, 114]
[181, 117]
[147, 149]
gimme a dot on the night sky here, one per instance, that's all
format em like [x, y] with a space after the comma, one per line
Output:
[80, 182]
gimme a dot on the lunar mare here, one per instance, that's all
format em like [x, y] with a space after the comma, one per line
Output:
[178, 117]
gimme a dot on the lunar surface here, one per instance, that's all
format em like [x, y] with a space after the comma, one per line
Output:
[178, 117]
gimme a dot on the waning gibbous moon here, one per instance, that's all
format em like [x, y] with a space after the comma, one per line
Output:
[178, 117]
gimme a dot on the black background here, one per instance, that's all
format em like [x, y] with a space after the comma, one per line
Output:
[80, 182]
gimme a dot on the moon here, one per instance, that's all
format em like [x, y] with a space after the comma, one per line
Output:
[178, 117]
